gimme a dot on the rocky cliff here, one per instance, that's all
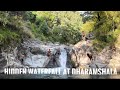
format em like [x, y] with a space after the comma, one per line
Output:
[85, 56]
[33, 53]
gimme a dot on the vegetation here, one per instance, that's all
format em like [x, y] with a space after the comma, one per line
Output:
[63, 27]
[105, 26]
[11, 28]
[59, 26]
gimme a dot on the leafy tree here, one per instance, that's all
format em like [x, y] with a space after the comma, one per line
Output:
[104, 24]
[58, 26]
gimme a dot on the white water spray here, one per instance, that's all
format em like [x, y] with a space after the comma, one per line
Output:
[63, 59]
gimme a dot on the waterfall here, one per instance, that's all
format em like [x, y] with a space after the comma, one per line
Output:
[63, 58]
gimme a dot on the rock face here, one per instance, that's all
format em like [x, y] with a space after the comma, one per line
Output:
[3, 63]
[83, 55]
[62, 59]
[36, 61]
[8, 60]
[69, 63]
[53, 62]
[79, 54]
[37, 54]
[33, 53]
[36, 51]
[115, 61]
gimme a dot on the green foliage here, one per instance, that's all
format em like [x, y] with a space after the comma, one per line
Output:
[8, 38]
[57, 26]
[105, 27]
[88, 26]
[29, 16]
[13, 29]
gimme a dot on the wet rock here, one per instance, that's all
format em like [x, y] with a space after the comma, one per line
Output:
[37, 50]
[80, 54]
[53, 62]
[69, 62]
[36, 61]
[58, 59]
[3, 63]
[97, 65]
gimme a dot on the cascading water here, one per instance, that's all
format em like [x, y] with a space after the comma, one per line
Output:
[63, 59]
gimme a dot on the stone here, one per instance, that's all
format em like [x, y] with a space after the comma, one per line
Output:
[36, 50]
[3, 63]
[36, 61]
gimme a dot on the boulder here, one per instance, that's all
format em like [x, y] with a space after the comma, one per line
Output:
[37, 50]
[115, 62]
[36, 61]
[3, 63]
[79, 54]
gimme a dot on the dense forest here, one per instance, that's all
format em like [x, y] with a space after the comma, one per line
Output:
[59, 26]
